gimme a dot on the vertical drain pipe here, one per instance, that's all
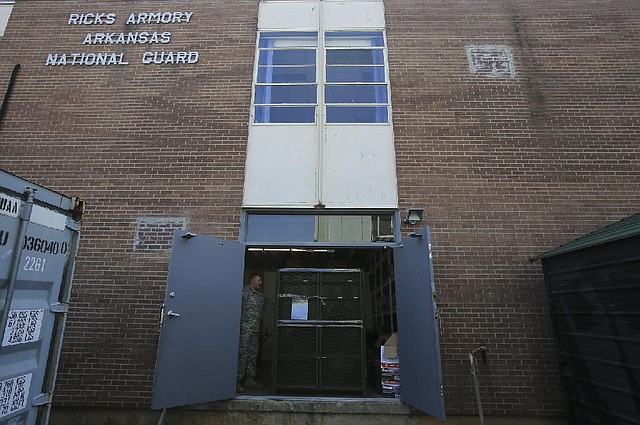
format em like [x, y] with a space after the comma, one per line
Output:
[25, 215]
[5, 101]
[482, 352]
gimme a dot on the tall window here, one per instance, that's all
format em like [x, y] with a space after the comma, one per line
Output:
[355, 88]
[286, 87]
[353, 79]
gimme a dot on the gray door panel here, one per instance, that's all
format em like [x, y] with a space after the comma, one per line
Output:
[418, 343]
[198, 347]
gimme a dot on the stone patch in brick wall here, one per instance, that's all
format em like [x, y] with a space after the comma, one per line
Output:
[156, 233]
[491, 61]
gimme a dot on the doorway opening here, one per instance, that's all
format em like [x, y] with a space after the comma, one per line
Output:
[373, 268]
[203, 282]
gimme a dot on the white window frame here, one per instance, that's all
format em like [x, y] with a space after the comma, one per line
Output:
[256, 84]
[6, 6]
[385, 65]
[321, 79]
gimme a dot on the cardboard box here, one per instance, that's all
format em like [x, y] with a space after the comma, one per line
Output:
[391, 346]
[384, 359]
[390, 367]
[389, 353]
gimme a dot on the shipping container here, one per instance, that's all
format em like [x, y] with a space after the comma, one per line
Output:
[39, 233]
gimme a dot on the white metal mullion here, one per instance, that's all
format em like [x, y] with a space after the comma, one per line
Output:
[385, 59]
[320, 109]
[269, 77]
[256, 66]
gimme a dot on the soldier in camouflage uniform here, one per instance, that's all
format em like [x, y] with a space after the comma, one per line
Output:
[252, 303]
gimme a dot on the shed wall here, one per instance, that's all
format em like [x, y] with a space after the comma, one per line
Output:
[594, 294]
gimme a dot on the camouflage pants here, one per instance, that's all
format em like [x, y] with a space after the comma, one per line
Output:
[248, 354]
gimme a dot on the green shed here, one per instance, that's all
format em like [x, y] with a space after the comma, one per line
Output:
[593, 285]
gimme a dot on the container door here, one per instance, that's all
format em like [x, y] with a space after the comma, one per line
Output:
[418, 343]
[198, 347]
[40, 263]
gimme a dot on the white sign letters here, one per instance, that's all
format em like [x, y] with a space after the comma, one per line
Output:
[105, 38]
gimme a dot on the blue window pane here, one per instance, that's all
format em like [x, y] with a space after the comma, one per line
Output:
[287, 57]
[355, 57]
[280, 228]
[288, 39]
[356, 94]
[285, 114]
[285, 74]
[286, 94]
[354, 39]
[357, 114]
[355, 74]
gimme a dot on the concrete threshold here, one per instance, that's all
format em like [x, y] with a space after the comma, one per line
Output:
[250, 410]
[338, 405]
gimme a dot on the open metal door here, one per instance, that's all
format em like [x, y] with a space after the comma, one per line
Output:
[418, 343]
[198, 347]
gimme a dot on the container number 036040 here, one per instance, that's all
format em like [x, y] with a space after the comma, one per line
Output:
[34, 264]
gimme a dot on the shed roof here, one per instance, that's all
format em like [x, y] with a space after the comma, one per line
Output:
[622, 229]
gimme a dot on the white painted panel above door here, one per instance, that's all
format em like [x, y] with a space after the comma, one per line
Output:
[358, 167]
[320, 131]
[281, 167]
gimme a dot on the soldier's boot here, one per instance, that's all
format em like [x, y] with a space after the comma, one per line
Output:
[250, 383]
[239, 387]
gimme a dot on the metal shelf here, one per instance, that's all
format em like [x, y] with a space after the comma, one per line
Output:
[325, 351]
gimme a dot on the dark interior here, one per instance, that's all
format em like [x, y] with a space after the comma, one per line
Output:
[377, 309]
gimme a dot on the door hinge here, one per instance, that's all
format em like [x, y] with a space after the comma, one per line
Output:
[59, 308]
[161, 319]
[187, 236]
[439, 321]
[42, 399]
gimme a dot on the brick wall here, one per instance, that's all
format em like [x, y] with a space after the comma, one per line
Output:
[133, 141]
[509, 167]
[505, 168]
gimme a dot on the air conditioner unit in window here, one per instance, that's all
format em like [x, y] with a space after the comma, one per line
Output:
[382, 229]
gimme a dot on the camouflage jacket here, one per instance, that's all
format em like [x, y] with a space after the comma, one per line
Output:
[252, 303]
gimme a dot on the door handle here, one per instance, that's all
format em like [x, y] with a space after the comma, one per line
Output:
[172, 313]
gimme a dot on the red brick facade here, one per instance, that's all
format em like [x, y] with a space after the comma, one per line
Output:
[504, 167]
